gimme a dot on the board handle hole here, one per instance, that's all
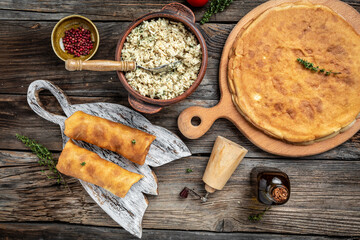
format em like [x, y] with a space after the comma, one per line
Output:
[195, 121]
[50, 103]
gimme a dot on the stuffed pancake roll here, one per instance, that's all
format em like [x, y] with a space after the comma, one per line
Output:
[88, 166]
[131, 143]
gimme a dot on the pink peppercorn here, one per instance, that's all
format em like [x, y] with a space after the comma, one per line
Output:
[78, 41]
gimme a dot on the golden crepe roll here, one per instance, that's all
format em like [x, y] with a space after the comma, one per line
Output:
[83, 164]
[131, 143]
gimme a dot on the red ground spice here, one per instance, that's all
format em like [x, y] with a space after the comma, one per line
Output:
[78, 41]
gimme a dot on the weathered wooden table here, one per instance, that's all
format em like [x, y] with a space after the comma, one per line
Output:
[325, 198]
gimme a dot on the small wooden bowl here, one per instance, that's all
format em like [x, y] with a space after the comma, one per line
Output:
[175, 12]
[73, 21]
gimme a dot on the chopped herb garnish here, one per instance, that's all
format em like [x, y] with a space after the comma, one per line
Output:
[45, 159]
[258, 217]
[133, 141]
[83, 163]
[310, 66]
[189, 170]
[215, 7]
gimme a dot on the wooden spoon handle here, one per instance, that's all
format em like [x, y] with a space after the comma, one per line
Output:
[99, 65]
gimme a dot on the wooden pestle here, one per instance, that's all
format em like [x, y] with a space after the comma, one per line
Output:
[225, 157]
[99, 65]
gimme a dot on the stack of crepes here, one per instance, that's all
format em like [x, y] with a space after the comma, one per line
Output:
[280, 96]
[83, 164]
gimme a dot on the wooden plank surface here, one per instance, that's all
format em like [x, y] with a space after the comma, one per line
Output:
[15, 37]
[121, 10]
[324, 198]
[55, 231]
[17, 117]
[325, 187]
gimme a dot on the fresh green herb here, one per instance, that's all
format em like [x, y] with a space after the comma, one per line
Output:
[215, 7]
[133, 141]
[45, 159]
[189, 170]
[258, 217]
[311, 67]
[83, 163]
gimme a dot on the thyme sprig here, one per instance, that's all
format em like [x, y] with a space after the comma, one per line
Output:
[311, 67]
[215, 7]
[45, 159]
[259, 216]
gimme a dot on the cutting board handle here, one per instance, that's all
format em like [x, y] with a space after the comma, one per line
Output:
[207, 117]
[35, 103]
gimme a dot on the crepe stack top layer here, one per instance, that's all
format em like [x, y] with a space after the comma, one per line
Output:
[276, 93]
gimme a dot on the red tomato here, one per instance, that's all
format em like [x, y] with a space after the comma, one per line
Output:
[197, 3]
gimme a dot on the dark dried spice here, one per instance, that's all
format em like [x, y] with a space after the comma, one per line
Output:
[184, 193]
[36, 26]
[280, 194]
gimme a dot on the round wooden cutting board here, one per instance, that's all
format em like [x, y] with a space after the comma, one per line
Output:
[226, 109]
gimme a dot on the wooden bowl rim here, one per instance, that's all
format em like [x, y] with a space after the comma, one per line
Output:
[96, 45]
[191, 26]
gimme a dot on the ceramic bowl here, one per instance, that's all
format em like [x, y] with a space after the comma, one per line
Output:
[175, 12]
[73, 21]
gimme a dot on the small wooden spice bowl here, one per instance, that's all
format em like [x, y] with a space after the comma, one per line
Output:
[175, 12]
[73, 21]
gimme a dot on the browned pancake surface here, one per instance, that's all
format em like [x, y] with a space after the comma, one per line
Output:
[276, 93]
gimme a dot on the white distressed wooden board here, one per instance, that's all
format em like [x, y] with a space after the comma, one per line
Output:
[128, 211]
